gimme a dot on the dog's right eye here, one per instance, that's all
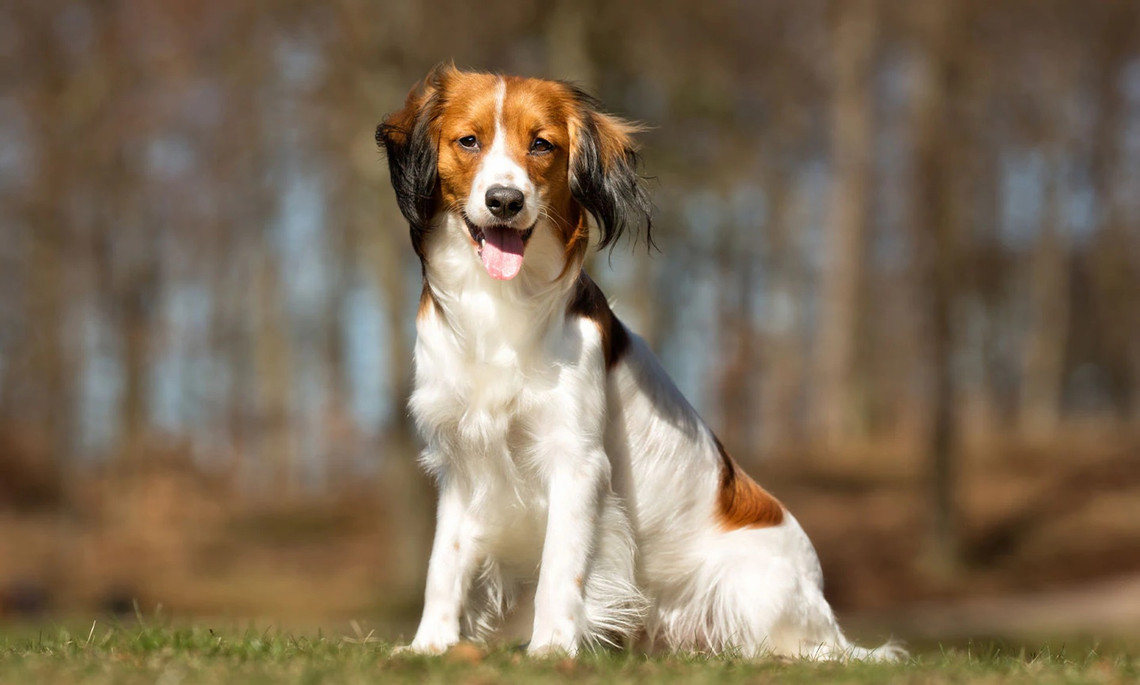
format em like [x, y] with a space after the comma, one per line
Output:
[469, 142]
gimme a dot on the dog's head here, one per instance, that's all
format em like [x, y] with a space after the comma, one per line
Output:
[510, 156]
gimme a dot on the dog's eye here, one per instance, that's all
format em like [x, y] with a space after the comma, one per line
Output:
[469, 142]
[541, 145]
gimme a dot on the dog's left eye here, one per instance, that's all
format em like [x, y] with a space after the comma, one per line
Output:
[541, 145]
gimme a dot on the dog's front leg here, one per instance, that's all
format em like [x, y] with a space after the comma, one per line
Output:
[578, 474]
[571, 534]
[449, 572]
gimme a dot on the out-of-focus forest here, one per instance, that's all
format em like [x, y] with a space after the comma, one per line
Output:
[899, 274]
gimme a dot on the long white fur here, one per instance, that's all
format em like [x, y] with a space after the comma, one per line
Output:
[594, 489]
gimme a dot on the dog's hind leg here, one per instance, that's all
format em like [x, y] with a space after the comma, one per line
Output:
[755, 592]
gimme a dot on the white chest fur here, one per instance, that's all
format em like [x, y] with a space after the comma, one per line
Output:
[491, 400]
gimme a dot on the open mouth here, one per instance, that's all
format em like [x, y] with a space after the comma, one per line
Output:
[501, 248]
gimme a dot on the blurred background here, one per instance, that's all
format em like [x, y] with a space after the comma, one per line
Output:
[899, 274]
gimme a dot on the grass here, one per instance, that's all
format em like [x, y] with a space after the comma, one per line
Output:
[170, 655]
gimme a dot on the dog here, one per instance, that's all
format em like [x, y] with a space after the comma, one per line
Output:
[570, 469]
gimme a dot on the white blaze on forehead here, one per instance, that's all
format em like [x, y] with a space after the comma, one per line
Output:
[497, 168]
[500, 95]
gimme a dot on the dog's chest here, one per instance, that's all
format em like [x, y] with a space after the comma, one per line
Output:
[476, 391]
[476, 412]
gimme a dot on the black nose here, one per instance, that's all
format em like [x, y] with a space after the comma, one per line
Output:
[504, 202]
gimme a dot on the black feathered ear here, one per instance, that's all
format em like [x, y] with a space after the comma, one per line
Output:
[603, 172]
[409, 140]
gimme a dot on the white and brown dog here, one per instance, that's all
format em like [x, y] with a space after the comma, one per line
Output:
[566, 459]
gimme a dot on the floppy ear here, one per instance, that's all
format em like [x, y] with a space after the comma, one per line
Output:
[603, 171]
[409, 141]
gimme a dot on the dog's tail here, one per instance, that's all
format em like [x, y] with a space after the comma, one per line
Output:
[833, 645]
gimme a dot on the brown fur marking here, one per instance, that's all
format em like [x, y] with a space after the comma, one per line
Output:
[589, 302]
[427, 302]
[741, 502]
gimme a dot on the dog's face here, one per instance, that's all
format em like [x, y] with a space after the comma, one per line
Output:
[509, 156]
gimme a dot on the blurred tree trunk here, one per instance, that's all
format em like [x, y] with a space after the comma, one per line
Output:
[568, 41]
[739, 338]
[237, 293]
[384, 251]
[274, 379]
[782, 357]
[934, 223]
[989, 285]
[643, 301]
[1044, 356]
[42, 377]
[134, 288]
[123, 240]
[1114, 251]
[854, 38]
[38, 374]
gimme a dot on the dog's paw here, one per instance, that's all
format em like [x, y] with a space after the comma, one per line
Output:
[545, 649]
[421, 648]
[554, 638]
[433, 638]
[547, 652]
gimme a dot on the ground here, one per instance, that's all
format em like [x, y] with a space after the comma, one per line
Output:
[141, 652]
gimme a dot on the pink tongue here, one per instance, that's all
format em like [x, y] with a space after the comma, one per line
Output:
[502, 252]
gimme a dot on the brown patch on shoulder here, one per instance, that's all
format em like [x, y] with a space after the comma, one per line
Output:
[741, 502]
[589, 302]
